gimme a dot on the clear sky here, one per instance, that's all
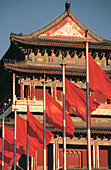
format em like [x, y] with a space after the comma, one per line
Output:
[28, 16]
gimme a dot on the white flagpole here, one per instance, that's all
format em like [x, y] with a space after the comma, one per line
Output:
[88, 110]
[15, 138]
[3, 141]
[64, 121]
[27, 131]
[44, 120]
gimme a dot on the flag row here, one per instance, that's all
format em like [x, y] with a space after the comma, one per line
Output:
[75, 103]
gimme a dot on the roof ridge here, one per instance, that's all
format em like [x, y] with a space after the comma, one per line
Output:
[52, 24]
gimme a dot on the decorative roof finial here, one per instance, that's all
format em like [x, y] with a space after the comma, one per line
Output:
[67, 6]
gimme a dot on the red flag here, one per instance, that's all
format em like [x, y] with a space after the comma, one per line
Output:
[36, 131]
[9, 144]
[54, 115]
[22, 137]
[7, 156]
[21, 140]
[9, 147]
[75, 100]
[98, 80]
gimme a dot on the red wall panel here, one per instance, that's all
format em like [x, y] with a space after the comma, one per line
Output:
[84, 159]
[60, 158]
[39, 94]
[73, 158]
[21, 91]
[59, 95]
[40, 159]
[32, 91]
[103, 158]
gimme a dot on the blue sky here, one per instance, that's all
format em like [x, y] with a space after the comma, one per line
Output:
[28, 16]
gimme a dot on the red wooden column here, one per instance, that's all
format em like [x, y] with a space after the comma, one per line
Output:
[103, 158]
[53, 92]
[84, 158]
[21, 92]
[13, 88]
[32, 91]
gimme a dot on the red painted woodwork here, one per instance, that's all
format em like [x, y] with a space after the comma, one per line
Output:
[40, 159]
[21, 91]
[39, 94]
[53, 92]
[103, 159]
[60, 158]
[73, 158]
[32, 91]
[56, 155]
[59, 94]
[84, 158]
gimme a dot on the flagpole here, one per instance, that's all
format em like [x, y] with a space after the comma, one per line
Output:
[27, 130]
[44, 120]
[3, 141]
[88, 110]
[64, 121]
[15, 137]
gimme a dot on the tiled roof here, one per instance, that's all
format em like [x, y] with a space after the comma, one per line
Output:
[50, 68]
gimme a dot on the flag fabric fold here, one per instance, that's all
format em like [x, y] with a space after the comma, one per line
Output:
[35, 139]
[75, 100]
[9, 147]
[98, 79]
[7, 156]
[22, 136]
[9, 137]
[54, 115]
[36, 131]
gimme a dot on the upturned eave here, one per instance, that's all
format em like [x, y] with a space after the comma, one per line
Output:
[36, 38]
